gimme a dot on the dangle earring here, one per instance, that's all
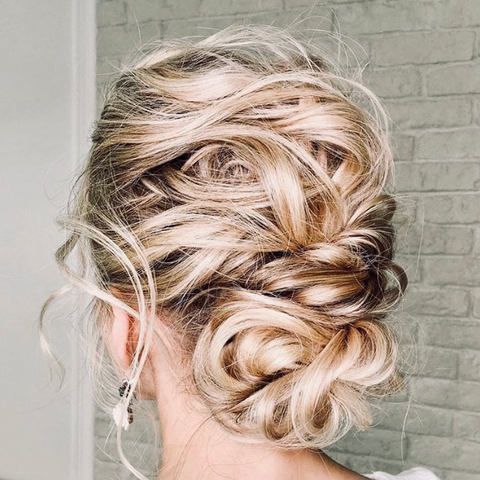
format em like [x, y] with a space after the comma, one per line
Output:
[123, 412]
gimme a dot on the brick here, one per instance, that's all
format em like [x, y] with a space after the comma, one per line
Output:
[418, 113]
[423, 239]
[390, 443]
[446, 393]
[203, 27]
[160, 10]
[316, 18]
[411, 266]
[452, 270]
[106, 68]
[229, 7]
[403, 146]
[350, 56]
[423, 47]
[434, 302]
[395, 82]
[111, 13]
[462, 143]
[308, 3]
[457, 14]
[451, 475]
[121, 39]
[437, 176]
[412, 418]
[467, 425]
[476, 241]
[380, 18]
[407, 359]
[448, 240]
[405, 330]
[406, 213]
[112, 40]
[444, 452]
[454, 79]
[476, 304]
[476, 106]
[436, 363]
[450, 333]
[450, 209]
[469, 365]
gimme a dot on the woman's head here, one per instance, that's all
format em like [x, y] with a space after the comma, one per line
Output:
[235, 189]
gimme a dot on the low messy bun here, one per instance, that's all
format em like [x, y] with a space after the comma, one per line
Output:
[238, 183]
[271, 375]
[295, 354]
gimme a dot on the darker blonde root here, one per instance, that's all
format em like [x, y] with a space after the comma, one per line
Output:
[238, 183]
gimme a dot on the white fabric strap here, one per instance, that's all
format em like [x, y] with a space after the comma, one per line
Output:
[417, 473]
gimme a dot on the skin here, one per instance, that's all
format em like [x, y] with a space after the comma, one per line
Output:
[194, 446]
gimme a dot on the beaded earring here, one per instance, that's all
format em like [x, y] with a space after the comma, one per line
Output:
[122, 412]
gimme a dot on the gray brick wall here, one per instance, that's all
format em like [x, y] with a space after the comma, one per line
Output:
[424, 63]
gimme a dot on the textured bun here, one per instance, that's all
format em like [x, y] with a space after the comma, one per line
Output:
[290, 377]
[238, 184]
[294, 357]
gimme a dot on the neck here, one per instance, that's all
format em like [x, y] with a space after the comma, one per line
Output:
[196, 448]
[201, 450]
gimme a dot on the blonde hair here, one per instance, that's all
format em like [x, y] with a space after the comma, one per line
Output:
[238, 183]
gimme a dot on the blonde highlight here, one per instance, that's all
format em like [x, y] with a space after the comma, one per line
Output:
[238, 183]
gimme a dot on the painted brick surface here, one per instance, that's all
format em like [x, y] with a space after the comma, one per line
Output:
[419, 48]
[411, 265]
[403, 146]
[469, 366]
[476, 305]
[449, 332]
[405, 81]
[140, 11]
[378, 17]
[390, 443]
[476, 242]
[229, 7]
[430, 176]
[436, 363]
[459, 143]
[443, 270]
[452, 475]
[422, 58]
[111, 13]
[457, 14]
[452, 209]
[413, 418]
[453, 79]
[420, 113]
[446, 393]
[428, 301]
[467, 425]
[444, 452]
[428, 239]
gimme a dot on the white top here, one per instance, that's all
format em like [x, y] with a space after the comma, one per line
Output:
[417, 473]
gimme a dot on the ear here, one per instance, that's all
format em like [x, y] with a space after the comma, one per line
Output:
[122, 341]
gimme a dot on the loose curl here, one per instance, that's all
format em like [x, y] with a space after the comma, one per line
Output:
[238, 183]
